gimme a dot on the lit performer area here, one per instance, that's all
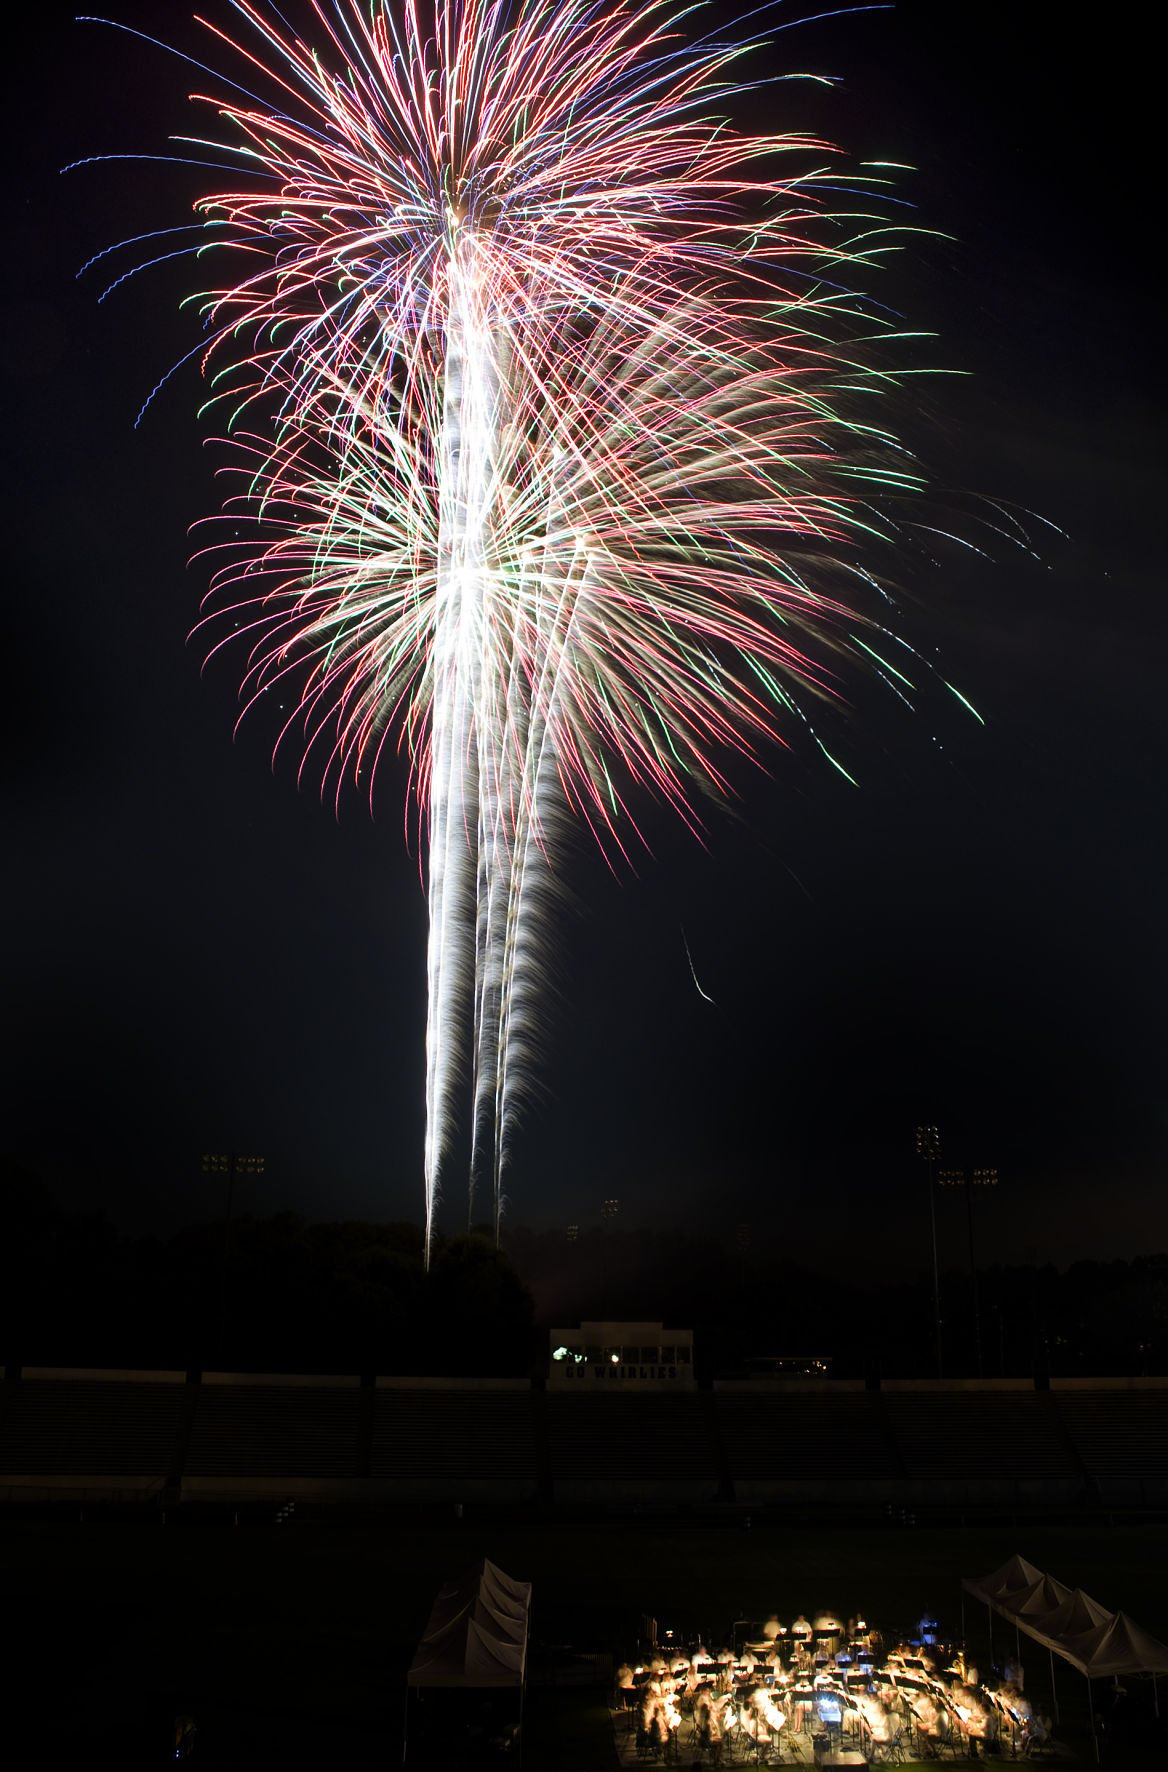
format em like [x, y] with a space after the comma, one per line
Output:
[818, 1691]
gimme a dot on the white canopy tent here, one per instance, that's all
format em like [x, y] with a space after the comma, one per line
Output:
[1070, 1624]
[1118, 1646]
[476, 1635]
[475, 1639]
[1077, 1615]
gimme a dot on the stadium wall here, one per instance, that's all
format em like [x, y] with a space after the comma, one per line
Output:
[160, 1438]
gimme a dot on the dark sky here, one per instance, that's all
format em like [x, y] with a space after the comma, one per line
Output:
[202, 956]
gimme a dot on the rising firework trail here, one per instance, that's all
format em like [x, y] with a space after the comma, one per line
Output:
[561, 437]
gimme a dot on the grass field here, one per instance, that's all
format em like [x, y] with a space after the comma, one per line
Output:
[289, 1644]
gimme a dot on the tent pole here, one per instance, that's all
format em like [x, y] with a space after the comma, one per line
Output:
[1053, 1687]
[1017, 1642]
[990, 1623]
[522, 1695]
[523, 1676]
[1091, 1714]
[1155, 1696]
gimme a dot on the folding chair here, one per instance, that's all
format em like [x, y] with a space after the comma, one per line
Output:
[890, 1752]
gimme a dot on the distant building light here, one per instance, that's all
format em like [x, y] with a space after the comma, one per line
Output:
[578, 1357]
[790, 1365]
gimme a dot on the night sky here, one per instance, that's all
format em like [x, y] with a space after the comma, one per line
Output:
[201, 956]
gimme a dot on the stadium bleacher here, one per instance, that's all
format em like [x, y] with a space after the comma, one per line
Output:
[93, 1424]
[462, 1440]
[627, 1445]
[275, 1428]
[1120, 1435]
[1092, 1443]
[780, 1437]
[982, 1433]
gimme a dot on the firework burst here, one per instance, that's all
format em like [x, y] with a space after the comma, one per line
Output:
[564, 477]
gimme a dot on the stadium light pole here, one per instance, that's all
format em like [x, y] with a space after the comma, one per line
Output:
[977, 1178]
[969, 1179]
[230, 1165]
[929, 1150]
